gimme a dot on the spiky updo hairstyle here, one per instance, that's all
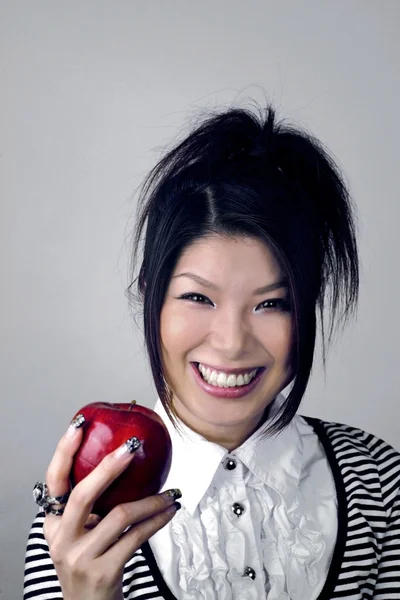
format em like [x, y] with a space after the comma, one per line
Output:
[243, 174]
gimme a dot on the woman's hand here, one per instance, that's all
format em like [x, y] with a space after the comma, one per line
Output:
[89, 553]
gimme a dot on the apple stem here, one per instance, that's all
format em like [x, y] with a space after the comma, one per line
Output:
[133, 402]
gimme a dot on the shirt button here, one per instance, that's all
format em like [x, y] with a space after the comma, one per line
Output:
[230, 464]
[249, 572]
[238, 509]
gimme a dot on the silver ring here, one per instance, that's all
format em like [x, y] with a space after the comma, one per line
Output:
[55, 511]
[42, 499]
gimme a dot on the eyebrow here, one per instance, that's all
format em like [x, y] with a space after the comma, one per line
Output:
[261, 290]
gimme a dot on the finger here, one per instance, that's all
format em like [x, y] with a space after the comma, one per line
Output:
[122, 516]
[57, 476]
[86, 492]
[92, 522]
[130, 541]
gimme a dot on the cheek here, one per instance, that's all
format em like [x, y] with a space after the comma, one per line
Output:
[278, 338]
[179, 332]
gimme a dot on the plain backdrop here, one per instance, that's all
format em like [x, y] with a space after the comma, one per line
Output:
[91, 92]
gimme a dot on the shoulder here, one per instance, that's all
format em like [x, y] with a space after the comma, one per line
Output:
[360, 453]
[345, 437]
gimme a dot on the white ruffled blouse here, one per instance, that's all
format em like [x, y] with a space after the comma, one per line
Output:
[257, 522]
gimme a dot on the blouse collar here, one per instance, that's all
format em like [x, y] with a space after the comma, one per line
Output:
[276, 461]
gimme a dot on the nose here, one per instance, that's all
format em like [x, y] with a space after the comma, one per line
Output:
[231, 335]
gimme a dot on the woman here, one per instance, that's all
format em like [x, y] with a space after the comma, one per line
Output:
[248, 226]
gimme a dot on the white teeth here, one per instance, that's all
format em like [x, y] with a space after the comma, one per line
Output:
[220, 379]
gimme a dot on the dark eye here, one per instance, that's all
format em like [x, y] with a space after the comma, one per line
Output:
[197, 298]
[276, 304]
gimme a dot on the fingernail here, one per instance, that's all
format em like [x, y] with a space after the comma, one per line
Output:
[128, 447]
[172, 494]
[174, 507]
[75, 424]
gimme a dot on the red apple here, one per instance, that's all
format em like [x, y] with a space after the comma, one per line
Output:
[106, 427]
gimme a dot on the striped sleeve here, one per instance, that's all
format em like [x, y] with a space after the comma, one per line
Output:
[388, 581]
[40, 578]
[366, 564]
[372, 480]
[41, 581]
[388, 578]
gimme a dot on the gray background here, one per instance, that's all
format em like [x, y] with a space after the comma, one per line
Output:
[90, 92]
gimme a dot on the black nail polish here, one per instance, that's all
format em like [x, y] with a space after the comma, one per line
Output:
[174, 493]
[132, 444]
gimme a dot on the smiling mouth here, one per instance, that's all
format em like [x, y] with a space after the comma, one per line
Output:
[255, 371]
[237, 388]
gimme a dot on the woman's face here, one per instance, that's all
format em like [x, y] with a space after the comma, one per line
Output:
[226, 324]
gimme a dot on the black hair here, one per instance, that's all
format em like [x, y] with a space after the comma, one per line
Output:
[242, 174]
